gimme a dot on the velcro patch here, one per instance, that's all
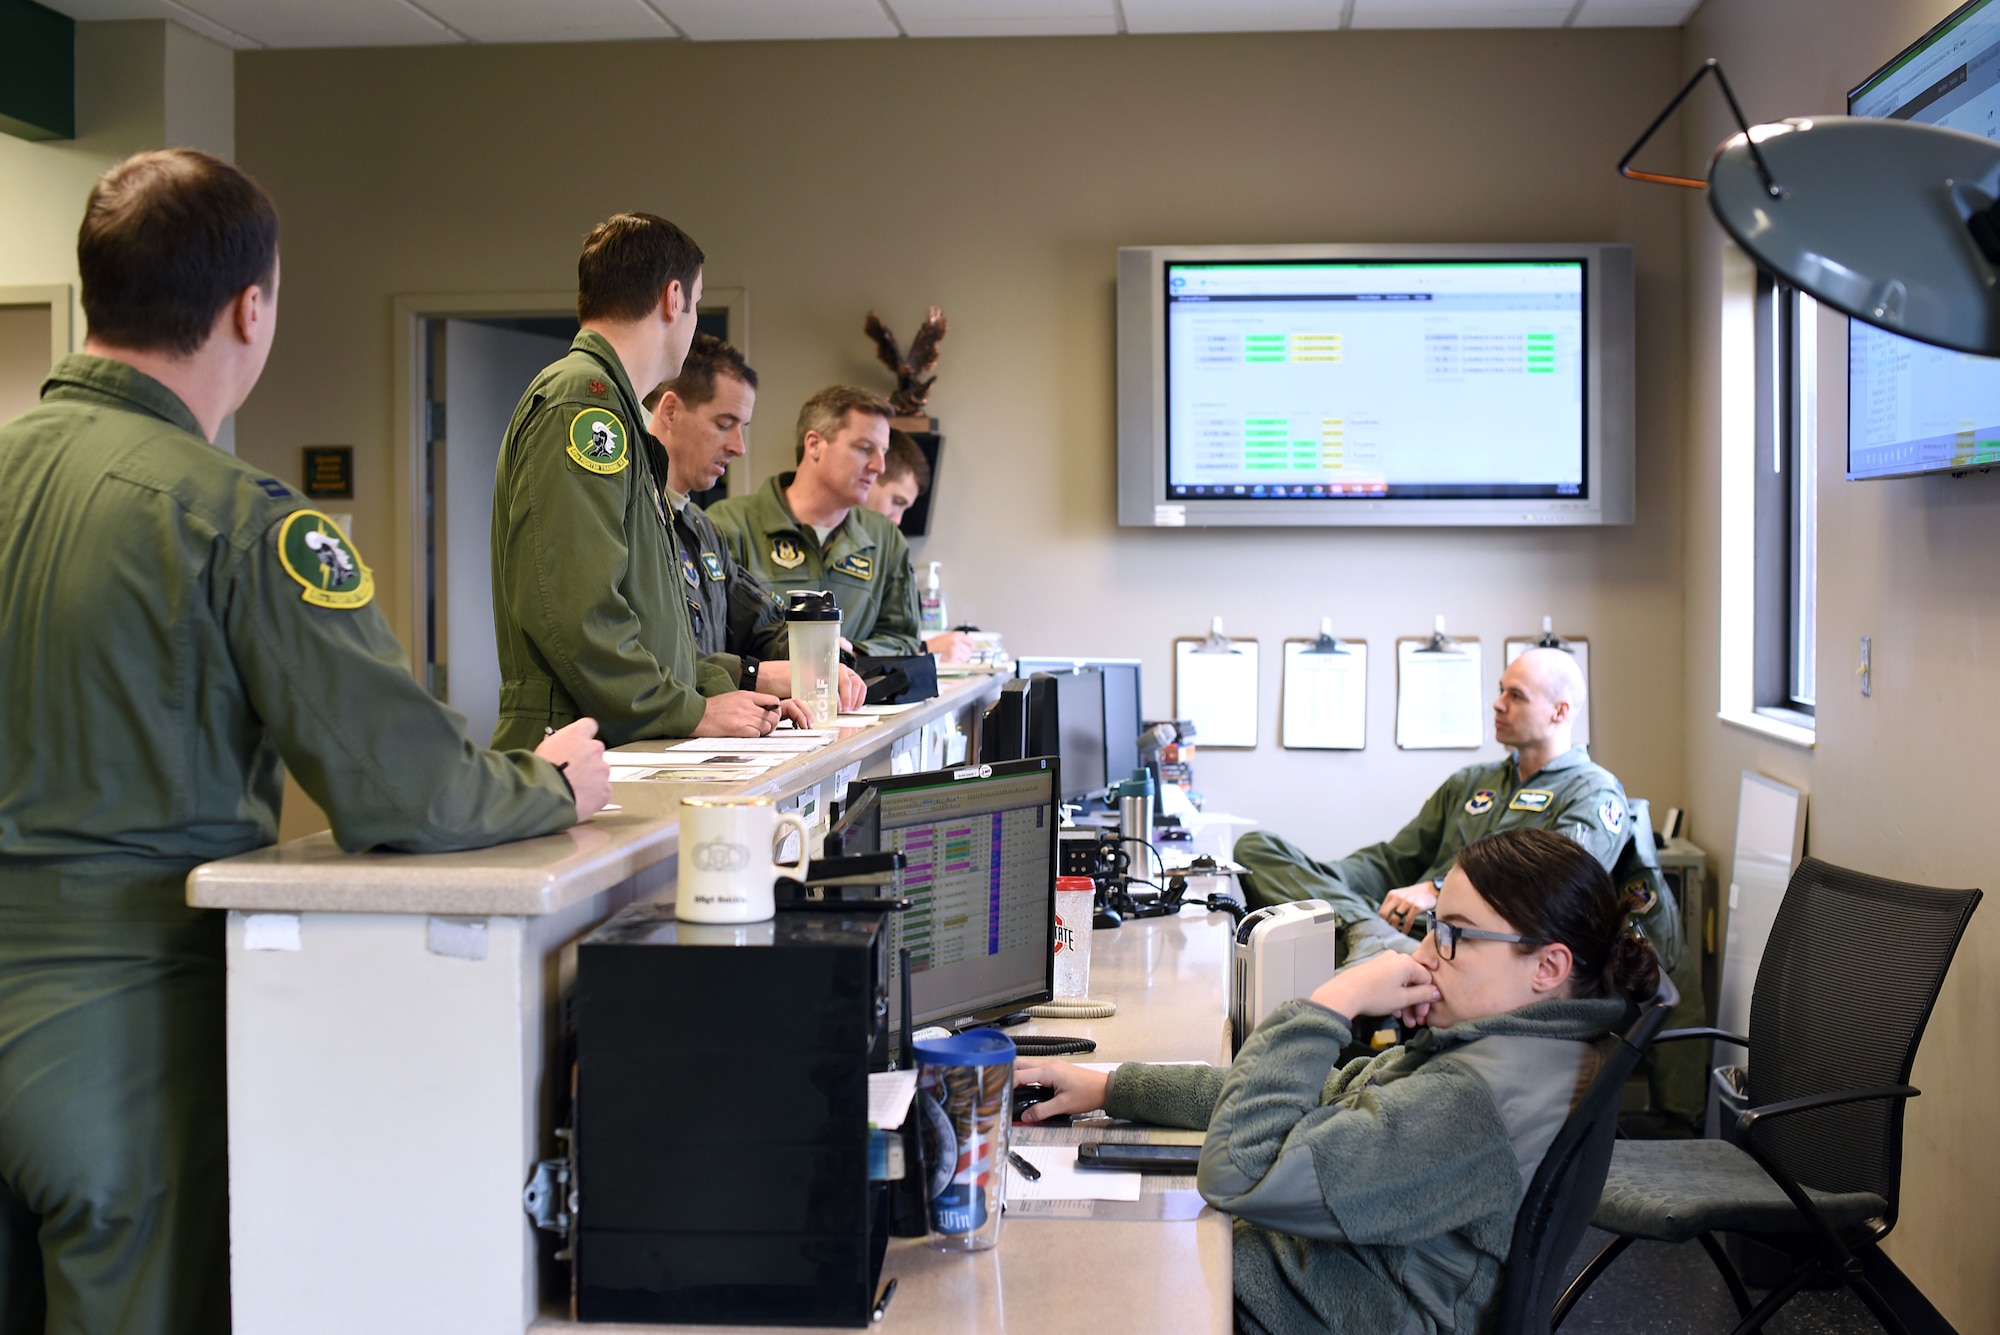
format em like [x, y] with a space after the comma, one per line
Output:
[1532, 799]
[856, 565]
[598, 442]
[314, 551]
[1479, 803]
[275, 489]
[1611, 813]
[712, 563]
[786, 553]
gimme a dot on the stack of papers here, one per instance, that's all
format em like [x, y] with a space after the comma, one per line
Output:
[1062, 1180]
[718, 759]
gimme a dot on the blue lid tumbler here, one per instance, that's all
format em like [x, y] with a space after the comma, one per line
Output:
[965, 1094]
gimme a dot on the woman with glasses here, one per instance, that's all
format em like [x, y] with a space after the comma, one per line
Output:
[1381, 1195]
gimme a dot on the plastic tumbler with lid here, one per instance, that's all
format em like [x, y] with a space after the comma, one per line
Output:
[965, 1100]
[1075, 907]
[812, 623]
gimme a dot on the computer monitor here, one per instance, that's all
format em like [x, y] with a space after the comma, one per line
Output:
[1079, 731]
[980, 844]
[1003, 728]
[1121, 719]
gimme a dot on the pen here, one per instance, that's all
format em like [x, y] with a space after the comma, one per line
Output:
[1028, 1170]
[882, 1303]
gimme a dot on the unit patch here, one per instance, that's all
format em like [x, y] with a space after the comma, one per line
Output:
[598, 442]
[786, 553]
[712, 562]
[318, 555]
[1611, 812]
[1479, 803]
[1532, 799]
[687, 571]
[856, 565]
[1649, 898]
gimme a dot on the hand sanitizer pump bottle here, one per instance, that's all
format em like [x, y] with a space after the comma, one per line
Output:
[931, 619]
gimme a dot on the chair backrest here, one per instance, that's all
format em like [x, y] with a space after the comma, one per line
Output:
[1846, 985]
[1562, 1195]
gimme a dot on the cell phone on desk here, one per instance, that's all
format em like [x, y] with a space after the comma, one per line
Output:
[1108, 1157]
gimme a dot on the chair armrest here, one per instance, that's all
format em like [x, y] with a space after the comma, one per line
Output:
[1747, 1120]
[1669, 1035]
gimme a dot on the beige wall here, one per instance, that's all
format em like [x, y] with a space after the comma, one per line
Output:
[1893, 779]
[997, 178]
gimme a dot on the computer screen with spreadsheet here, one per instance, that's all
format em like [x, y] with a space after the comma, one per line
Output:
[979, 844]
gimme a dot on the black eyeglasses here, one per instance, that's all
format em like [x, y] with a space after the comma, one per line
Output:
[1449, 934]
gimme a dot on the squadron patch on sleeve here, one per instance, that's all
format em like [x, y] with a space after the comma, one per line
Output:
[712, 563]
[1532, 799]
[1611, 813]
[314, 551]
[1479, 803]
[786, 553]
[597, 441]
[856, 565]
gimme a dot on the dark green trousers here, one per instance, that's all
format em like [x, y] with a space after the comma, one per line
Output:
[1280, 873]
[113, 1139]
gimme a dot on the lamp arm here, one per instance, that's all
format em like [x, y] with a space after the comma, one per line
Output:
[1626, 169]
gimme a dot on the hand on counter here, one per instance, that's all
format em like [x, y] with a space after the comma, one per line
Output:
[774, 677]
[1076, 1089]
[577, 752]
[853, 690]
[740, 714]
[953, 646]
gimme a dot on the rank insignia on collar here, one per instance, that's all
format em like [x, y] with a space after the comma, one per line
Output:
[712, 563]
[1611, 813]
[598, 389]
[1479, 803]
[597, 441]
[1532, 799]
[857, 565]
[687, 571]
[314, 551]
[786, 553]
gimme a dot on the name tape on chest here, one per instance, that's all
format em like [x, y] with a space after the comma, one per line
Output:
[1532, 799]
[786, 553]
[314, 551]
[856, 565]
[598, 441]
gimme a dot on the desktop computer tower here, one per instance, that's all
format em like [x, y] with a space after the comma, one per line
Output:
[721, 1135]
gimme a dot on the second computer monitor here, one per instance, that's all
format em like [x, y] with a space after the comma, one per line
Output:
[1098, 751]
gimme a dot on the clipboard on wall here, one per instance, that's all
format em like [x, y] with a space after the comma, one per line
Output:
[1215, 688]
[1323, 700]
[1579, 648]
[1439, 693]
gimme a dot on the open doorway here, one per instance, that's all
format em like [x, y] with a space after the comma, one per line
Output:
[34, 335]
[472, 358]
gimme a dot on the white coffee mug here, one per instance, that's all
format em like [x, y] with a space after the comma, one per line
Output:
[729, 858]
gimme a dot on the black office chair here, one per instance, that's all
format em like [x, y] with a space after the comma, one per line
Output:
[1847, 982]
[1563, 1193]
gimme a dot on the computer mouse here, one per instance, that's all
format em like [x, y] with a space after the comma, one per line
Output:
[1026, 1096]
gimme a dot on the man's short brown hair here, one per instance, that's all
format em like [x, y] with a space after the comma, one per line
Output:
[708, 358]
[627, 262]
[168, 240]
[906, 456]
[826, 410]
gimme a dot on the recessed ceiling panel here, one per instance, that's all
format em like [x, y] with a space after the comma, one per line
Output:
[1461, 13]
[537, 21]
[1142, 16]
[1005, 18]
[776, 20]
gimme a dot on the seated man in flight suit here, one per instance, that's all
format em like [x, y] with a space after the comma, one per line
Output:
[1380, 892]
[809, 529]
[177, 629]
[905, 477]
[739, 625]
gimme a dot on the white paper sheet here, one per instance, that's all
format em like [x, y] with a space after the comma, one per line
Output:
[735, 758]
[1440, 696]
[784, 742]
[1325, 703]
[1217, 692]
[1062, 1180]
[889, 1095]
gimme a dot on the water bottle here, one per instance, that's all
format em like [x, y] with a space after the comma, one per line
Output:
[812, 623]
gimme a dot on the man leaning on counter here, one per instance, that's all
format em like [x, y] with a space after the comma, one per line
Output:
[173, 625]
[590, 610]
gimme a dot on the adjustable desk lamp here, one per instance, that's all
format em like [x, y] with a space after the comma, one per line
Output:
[1894, 223]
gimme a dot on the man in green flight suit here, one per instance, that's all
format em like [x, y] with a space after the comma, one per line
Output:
[739, 625]
[174, 625]
[590, 608]
[808, 529]
[1380, 893]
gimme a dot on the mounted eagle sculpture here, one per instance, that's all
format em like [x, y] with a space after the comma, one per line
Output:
[911, 390]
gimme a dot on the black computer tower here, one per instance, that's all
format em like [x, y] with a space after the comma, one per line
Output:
[722, 1119]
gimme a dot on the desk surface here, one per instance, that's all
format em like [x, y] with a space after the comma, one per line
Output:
[1169, 977]
[530, 877]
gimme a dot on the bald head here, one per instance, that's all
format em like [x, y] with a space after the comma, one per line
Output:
[1555, 673]
[1540, 693]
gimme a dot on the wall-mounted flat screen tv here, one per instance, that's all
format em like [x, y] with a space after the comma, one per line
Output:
[1913, 408]
[1394, 384]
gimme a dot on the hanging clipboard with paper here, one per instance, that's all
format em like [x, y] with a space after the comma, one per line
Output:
[1323, 704]
[1440, 693]
[1215, 688]
[1578, 648]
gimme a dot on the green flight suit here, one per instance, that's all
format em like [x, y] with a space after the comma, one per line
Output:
[734, 615]
[590, 611]
[865, 564]
[175, 627]
[1572, 795]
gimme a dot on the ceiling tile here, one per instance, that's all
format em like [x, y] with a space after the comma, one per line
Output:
[1635, 13]
[96, 11]
[314, 23]
[535, 21]
[1461, 13]
[1144, 16]
[776, 20]
[1005, 18]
